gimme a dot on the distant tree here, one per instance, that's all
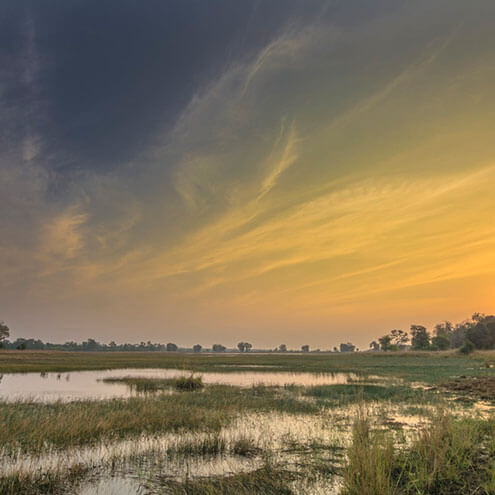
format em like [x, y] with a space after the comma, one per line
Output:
[399, 337]
[90, 345]
[172, 347]
[440, 342]
[282, 348]
[385, 343]
[335, 349]
[197, 348]
[4, 333]
[347, 347]
[481, 332]
[420, 338]
[445, 328]
[305, 348]
[458, 335]
[218, 348]
[374, 346]
[21, 346]
[467, 348]
[244, 346]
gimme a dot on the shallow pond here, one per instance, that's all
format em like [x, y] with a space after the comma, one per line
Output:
[80, 385]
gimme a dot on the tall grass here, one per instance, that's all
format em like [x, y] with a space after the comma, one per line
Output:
[182, 383]
[370, 461]
[33, 426]
[451, 456]
[267, 480]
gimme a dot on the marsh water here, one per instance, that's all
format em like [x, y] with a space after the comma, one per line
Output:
[115, 465]
[82, 385]
[147, 464]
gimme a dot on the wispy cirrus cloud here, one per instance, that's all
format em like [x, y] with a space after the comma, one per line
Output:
[322, 173]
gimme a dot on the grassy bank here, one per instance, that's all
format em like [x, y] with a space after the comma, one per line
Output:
[430, 367]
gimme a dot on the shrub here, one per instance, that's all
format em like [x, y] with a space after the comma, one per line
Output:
[189, 383]
[467, 348]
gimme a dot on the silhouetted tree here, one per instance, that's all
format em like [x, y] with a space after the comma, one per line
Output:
[4, 333]
[282, 348]
[482, 331]
[347, 347]
[399, 337]
[305, 348]
[197, 348]
[440, 343]
[91, 345]
[244, 346]
[385, 343]
[218, 348]
[420, 338]
[467, 348]
[172, 347]
[21, 346]
[445, 328]
[374, 346]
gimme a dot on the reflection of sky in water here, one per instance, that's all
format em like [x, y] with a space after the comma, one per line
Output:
[79, 385]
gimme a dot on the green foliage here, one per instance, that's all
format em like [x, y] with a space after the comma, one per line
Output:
[4, 332]
[348, 347]
[244, 346]
[218, 348]
[340, 395]
[450, 456]
[440, 342]
[188, 383]
[420, 338]
[482, 332]
[370, 465]
[467, 348]
[385, 342]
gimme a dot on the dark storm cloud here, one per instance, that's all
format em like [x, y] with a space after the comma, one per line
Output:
[113, 74]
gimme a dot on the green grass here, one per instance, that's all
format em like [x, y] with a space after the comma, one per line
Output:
[31, 426]
[42, 483]
[265, 481]
[341, 395]
[429, 367]
[451, 456]
[182, 383]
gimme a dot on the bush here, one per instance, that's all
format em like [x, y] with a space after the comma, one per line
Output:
[189, 383]
[467, 348]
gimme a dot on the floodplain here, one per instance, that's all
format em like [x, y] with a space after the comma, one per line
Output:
[268, 423]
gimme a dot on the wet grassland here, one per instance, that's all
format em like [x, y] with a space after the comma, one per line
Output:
[398, 424]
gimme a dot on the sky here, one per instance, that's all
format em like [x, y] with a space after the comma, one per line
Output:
[272, 171]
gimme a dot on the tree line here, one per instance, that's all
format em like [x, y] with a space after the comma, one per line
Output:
[477, 332]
